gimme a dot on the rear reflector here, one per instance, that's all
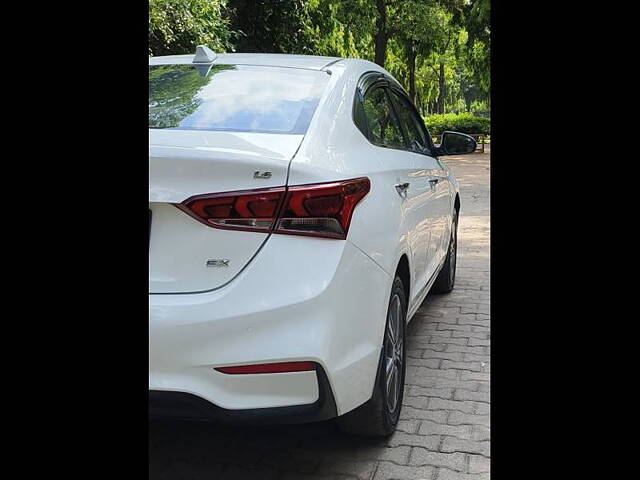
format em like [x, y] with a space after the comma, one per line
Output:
[320, 210]
[267, 368]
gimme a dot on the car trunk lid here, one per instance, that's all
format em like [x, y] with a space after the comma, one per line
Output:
[185, 255]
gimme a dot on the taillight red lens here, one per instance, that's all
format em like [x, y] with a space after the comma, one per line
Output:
[253, 210]
[322, 210]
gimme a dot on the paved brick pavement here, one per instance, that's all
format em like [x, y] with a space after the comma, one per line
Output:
[444, 428]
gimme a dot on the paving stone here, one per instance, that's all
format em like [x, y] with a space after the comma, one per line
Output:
[429, 442]
[415, 402]
[435, 428]
[446, 393]
[453, 444]
[482, 408]
[417, 379]
[476, 350]
[421, 456]
[461, 418]
[453, 356]
[446, 474]
[473, 366]
[480, 433]
[453, 405]
[424, 362]
[484, 387]
[408, 426]
[476, 342]
[479, 464]
[408, 412]
[480, 376]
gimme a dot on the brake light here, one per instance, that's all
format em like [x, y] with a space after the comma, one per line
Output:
[322, 210]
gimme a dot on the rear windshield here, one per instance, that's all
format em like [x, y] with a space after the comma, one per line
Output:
[239, 98]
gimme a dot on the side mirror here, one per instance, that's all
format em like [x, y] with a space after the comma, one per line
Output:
[454, 143]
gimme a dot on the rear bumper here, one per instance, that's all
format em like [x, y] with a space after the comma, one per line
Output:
[300, 299]
[188, 406]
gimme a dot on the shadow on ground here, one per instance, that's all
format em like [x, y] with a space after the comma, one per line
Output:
[179, 450]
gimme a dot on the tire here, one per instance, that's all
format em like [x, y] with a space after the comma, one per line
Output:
[379, 415]
[447, 277]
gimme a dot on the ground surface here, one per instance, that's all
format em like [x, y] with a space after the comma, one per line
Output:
[444, 427]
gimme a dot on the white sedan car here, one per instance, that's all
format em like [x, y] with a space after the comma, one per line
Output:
[298, 217]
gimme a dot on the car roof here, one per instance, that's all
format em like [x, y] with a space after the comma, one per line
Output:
[264, 59]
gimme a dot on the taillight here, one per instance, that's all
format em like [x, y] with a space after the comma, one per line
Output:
[254, 210]
[322, 210]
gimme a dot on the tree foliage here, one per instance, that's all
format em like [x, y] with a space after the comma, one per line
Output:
[438, 49]
[271, 26]
[178, 26]
[457, 122]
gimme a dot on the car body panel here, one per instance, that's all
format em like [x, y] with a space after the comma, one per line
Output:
[298, 298]
[334, 148]
[185, 163]
[266, 315]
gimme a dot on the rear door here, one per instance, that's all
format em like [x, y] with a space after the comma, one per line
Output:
[407, 174]
[434, 203]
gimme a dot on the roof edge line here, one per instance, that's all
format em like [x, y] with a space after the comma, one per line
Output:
[331, 63]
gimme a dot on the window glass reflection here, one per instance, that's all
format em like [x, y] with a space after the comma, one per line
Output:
[234, 98]
[382, 123]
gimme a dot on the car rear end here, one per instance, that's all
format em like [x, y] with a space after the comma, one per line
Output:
[254, 309]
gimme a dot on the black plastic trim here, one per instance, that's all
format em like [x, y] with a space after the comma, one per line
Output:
[191, 407]
[425, 130]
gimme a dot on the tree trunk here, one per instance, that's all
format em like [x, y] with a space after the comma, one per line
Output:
[381, 37]
[381, 41]
[411, 67]
[441, 87]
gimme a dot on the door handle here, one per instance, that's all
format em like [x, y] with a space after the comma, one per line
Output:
[433, 182]
[402, 187]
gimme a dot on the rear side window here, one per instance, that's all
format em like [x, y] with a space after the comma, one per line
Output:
[416, 135]
[239, 98]
[383, 125]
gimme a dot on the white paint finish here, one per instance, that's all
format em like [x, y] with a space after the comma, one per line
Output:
[335, 149]
[237, 392]
[183, 163]
[300, 298]
[180, 247]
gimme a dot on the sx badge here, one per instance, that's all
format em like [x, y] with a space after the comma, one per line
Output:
[218, 262]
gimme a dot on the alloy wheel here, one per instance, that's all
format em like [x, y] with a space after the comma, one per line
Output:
[394, 354]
